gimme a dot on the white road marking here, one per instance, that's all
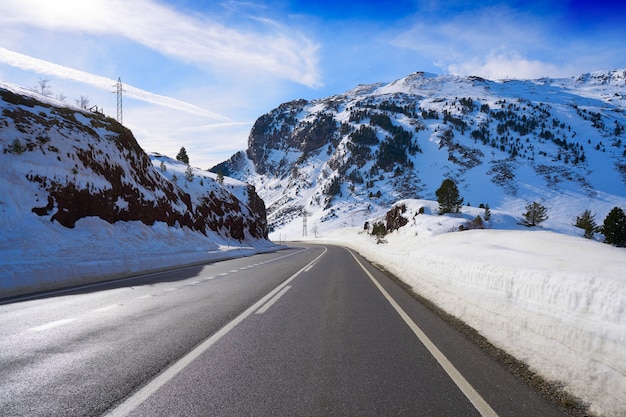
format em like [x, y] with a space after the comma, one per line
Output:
[271, 302]
[144, 393]
[52, 325]
[310, 267]
[107, 308]
[144, 296]
[475, 398]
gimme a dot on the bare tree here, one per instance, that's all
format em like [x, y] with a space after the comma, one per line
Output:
[83, 102]
[43, 87]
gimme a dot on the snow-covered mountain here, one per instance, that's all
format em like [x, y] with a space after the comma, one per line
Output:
[75, 187]
[350, 156]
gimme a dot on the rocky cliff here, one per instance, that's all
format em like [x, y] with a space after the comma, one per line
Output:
[67, 164]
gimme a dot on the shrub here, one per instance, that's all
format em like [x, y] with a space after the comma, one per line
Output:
[379, 229]
[477, 223]
[17, 147]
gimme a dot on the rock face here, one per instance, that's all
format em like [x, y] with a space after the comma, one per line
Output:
[81, 164]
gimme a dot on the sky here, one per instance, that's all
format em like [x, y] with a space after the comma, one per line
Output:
[198, 73]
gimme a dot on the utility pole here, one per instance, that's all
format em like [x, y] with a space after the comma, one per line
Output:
[304, 214]
[120, 117]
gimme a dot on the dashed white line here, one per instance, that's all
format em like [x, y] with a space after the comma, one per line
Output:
[52, 325]
[144, 393]
[144, 296]
[107, 308]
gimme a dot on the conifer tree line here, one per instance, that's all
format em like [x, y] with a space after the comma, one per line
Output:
[613, 228]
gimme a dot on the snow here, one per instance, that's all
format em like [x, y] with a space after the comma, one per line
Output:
[38, 254]
[45, 254]
[553, 300]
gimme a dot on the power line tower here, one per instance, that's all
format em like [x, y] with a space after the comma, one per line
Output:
[304, 228]
[120, 90]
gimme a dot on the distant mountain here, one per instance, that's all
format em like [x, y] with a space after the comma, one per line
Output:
[354, 154]
[63, 164]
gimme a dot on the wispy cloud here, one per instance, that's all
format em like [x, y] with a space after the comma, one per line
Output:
[43, 67]
[204, 41]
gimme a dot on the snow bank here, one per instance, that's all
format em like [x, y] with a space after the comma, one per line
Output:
[554, 301]
[40, 255]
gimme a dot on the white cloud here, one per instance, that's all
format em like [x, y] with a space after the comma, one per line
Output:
[500, 64]
[494, 42]
[43, 67]
[199, 40]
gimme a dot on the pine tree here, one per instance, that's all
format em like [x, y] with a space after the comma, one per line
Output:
[189, 174]
[182, 156]
[535, 214]
[448, 197]
[614, 228]
[487, 213]
[587, 222]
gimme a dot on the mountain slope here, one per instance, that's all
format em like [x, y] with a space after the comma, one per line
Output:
[64, 171]
[502, 142]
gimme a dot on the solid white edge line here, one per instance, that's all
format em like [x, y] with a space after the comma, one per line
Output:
[144, 393]
[271, 302]
[475, 398]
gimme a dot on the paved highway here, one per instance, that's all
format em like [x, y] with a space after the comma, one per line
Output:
[307, 331]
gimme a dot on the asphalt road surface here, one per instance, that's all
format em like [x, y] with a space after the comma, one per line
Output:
[306, 331]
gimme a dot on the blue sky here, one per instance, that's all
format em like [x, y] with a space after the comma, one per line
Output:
[198, 73]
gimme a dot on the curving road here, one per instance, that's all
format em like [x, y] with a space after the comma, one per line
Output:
[306, 331]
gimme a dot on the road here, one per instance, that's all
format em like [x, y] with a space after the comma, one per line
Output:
[306, 331]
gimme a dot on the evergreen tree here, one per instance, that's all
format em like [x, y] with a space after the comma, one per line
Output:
[189, 174]
[587, 222]
[614, 228]
[487, 213]
[448, 197]
[182, 156]
[535, 214]
[220, 178]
